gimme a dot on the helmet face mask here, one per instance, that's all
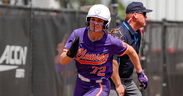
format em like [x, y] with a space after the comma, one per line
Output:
[99, 11]
[96, 25]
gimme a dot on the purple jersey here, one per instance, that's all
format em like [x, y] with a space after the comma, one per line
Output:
[94, 59]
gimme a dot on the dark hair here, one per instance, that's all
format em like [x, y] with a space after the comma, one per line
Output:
[88, 23]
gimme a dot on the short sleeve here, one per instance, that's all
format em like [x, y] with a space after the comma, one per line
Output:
[118, 48]
[69, 40]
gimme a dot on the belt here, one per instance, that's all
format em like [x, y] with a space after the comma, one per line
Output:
[126, 79]
[88, 80]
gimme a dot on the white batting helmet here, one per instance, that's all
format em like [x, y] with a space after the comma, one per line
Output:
[100, 11]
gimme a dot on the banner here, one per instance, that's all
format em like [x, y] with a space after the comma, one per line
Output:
[15, 55]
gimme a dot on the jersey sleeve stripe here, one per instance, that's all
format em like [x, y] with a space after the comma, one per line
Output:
[124, 51]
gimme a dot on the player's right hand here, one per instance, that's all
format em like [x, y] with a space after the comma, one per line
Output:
[142, 79]
[120, 90]
[74, 48]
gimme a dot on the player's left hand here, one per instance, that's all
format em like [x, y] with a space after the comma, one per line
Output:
[74, 48]
[120, 90]
[142, 79]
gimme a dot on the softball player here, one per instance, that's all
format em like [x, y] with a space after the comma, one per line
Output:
[93, 48]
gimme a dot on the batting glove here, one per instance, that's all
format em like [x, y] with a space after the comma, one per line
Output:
[142, 79]
[74, 48]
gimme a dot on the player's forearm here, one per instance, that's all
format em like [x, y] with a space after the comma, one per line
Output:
[135, 59]
[64, 59]
[115, 76]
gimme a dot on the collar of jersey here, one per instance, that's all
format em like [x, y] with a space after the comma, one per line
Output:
[125, 23]
[86, 31]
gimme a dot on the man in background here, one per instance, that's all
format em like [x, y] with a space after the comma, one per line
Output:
[129, 32]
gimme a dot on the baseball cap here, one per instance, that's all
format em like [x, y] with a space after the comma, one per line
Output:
[136, 7]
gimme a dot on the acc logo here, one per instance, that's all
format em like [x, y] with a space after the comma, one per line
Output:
[13, 55]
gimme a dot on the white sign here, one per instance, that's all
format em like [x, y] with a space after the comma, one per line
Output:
[12, 57]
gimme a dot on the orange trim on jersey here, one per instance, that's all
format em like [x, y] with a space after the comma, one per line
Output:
[90, 62]
[124, 51]
[101, 89]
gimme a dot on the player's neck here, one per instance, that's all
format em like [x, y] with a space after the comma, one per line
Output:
[95, 36]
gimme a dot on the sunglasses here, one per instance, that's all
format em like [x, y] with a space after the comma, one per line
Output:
[144, 14]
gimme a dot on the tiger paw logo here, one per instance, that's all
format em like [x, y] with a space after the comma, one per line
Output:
[97, 11]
